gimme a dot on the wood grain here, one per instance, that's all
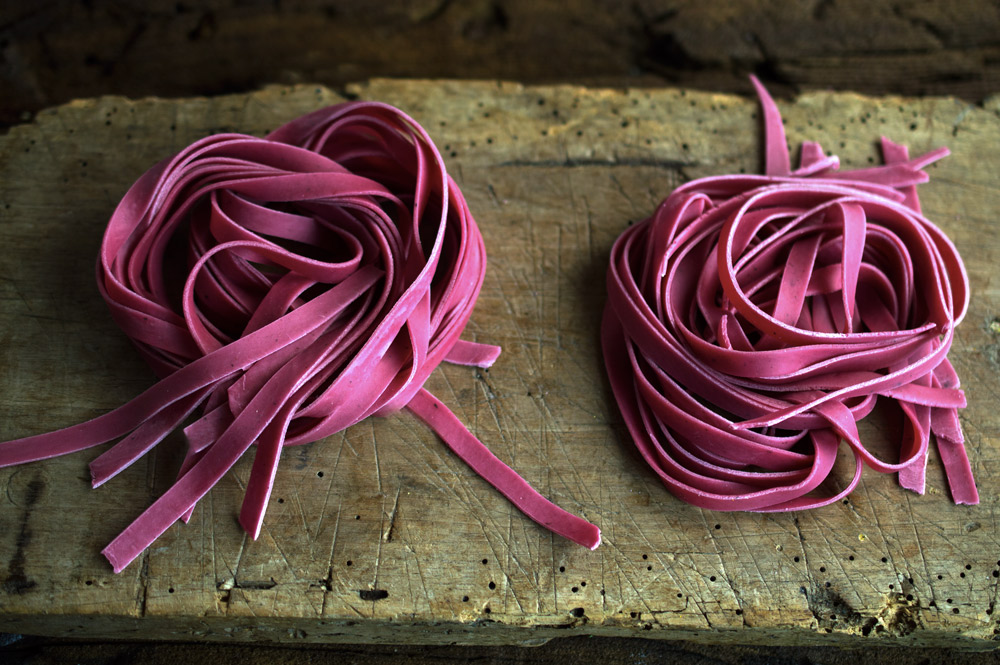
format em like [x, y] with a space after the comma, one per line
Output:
[379, 534]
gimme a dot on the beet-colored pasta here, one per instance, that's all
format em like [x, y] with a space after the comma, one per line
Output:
[752, 320]
[284, 289]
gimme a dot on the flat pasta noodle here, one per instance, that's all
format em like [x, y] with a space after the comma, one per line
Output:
[753, 320]
[285, 288]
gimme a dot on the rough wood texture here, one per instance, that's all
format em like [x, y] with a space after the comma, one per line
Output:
[54, 50]
[552, 174]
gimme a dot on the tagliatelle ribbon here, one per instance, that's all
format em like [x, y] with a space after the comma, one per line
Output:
[752, 320]
[284, 289]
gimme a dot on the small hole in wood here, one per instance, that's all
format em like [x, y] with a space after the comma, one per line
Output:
[350, 563]
[649, 567]
[487, 610]
[577, 612]
[795, 559]
[885, 560]
[170, 590]
[465, 599]
[492, 585]
[575, 589]
[562, 569]
[485, 561]
[319, 474]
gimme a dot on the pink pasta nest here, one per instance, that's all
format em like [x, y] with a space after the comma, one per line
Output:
[753, 320]
[286, 288]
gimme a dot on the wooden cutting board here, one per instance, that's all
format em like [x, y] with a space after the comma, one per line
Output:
[380, 533]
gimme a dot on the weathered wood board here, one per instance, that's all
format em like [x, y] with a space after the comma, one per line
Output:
[552, 175]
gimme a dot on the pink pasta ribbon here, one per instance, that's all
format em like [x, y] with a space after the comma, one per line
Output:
[284, 289]
[754, 319]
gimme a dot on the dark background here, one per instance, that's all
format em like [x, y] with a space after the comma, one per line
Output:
[52, 51]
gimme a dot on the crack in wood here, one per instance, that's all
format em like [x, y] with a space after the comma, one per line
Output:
[572, 162]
